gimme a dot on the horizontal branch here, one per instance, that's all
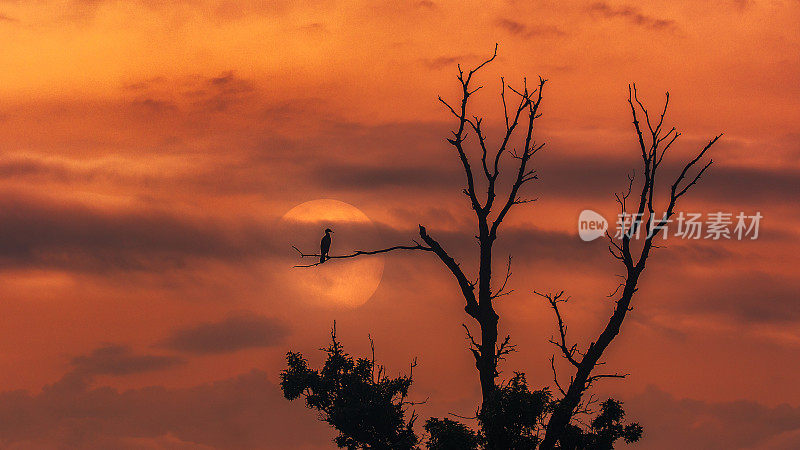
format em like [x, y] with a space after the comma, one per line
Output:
[359, 253]
[594, 378]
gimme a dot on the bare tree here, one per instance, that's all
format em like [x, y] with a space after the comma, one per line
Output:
[490, 210]
[654, 143]
[493, 207]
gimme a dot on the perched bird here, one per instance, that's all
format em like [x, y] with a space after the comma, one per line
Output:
[325, 246]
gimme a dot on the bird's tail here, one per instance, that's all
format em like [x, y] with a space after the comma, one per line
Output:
[321, 259]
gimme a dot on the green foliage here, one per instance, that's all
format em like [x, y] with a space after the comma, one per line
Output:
[367, 409]
[446, 434]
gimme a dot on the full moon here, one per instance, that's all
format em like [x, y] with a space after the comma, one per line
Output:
[338, 282]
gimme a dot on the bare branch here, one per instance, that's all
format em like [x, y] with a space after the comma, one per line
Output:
[467, 287]
[555, 375]
[372, 349]
[501, 292]
[505, 348]
[474, 347]
[359, 253]
[585, 408]
[653, 147]
[529, 149]
[567, 351]
[688, 166]
[459, 136]
[594, 378]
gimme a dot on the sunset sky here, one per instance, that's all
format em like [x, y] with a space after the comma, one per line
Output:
[157, 160]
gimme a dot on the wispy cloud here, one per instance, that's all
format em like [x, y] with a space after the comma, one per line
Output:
[247, 411]
[120, 360]
[631, 13]
[521, 29]
[234, 333]
[686, 423]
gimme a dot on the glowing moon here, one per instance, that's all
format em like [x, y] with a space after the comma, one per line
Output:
[337, 282]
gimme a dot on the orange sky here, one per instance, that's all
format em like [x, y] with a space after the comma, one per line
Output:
[150, 149]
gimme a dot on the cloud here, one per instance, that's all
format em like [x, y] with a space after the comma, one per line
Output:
[442, 62]
[52, 232]
[234, 333]
[588, 176]
[113, 360]
[220, 92]
[563, 176]
[121, 360]
[632, 14]
[214, 94]
[757, 298]
[221, 10]
[72, 236]
[244, 412]
[361, 176]
[529, 31]
[683, 423]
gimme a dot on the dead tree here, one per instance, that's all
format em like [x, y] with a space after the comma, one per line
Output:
[654, 142]
[490, 210]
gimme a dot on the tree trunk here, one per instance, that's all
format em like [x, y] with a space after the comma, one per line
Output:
[487, 362]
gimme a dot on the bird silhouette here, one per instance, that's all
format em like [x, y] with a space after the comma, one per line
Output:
[325, 246]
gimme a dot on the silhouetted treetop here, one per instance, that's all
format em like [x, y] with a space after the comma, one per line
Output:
[365, 406]
[369, 410]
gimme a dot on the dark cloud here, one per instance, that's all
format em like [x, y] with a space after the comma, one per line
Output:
[315, 27]
[220, 92]
[585, 177]
[531, 245]
[442, 62]
[358, 177]
[332, 154]
[751, 298]
[43, 232]
[441, 216]
[120, 360]
[248, 411]
[154, 106]
[244, 412]
[194, 94]
[631, 13]
[683, 423]
[529, 31]
[596, 177]
[766, 185]
[234, 333]
[74, 236]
